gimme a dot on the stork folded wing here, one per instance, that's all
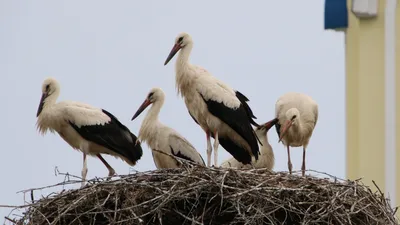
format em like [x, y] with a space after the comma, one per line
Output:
[238, 119]
[182, 148]
[112, 135]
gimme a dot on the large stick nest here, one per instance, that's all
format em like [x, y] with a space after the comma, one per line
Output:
[199, 195]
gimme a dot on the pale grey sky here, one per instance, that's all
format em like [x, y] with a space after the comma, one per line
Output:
[109, 54]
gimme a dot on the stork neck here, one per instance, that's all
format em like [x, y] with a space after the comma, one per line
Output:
[297, 126]
[152, 114]
[263, 140]
[148, 127]
[297, 130]
[50, 100]
[184, 55]
[266, 150]
[183, 78]
[262, 137]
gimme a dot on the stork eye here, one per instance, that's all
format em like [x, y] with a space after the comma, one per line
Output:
[293, 117]
[180, 39]
[47, 87]
[150, 95]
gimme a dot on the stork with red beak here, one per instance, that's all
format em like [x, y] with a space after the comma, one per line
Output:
[161, 138]
[222, 112]
[297, 114]
[88, 129]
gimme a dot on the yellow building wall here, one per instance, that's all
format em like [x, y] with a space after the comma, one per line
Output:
[352, 107]
[365, 99]
[365, 110]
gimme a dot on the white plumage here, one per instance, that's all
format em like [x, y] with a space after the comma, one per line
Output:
[220, 111]
[162, 138]
[297, 114]
[85, 128]
[266, 158]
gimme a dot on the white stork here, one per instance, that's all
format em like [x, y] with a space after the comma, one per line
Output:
[86, 128]
[297, 114]
[220, 111]
[163, 138]
[267, 159]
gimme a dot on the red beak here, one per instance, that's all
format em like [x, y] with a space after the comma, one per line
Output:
[269, 124]
[174, 50]
[285, 128]
[141, 108]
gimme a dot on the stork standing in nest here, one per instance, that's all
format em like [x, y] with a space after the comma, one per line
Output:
[266, 159]
[91, 130]
[297, 114]
[162, 139]
[221, 112]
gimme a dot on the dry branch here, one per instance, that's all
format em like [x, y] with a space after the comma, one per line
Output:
[199, 195]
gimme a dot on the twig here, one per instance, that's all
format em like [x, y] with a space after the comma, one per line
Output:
[11, 220]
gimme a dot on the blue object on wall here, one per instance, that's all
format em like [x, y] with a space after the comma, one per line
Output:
[336, 14]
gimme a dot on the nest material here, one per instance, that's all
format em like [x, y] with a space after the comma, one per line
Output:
[199, 195]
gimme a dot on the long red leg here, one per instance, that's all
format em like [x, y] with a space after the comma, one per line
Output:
[111, 171]
[84, 170]
[289, 161]
[209, 149]
[216, 143]
[303, 166]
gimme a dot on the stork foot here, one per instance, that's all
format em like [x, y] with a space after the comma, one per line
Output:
[303, 165]
[290, 167]
[208, 158]
[111, 173]
[84, 170]
[84, 173]
[289, 161]
[303, 170]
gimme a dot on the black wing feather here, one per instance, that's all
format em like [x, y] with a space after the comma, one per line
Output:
[239, 121]
[112, 136]
[182, 156]
[278, 129]
[237, 152]
[243, 99]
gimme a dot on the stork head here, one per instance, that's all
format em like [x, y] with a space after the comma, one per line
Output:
[292, 117]
[181, 41]
[155, 95]
[50, 92]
